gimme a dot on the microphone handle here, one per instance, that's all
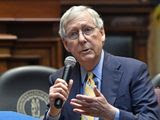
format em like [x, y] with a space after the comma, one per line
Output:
[66, 76]
[58, 103]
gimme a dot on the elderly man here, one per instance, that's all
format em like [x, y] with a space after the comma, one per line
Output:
[121, 89]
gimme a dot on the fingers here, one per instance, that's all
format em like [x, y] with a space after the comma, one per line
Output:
[79, 103]
[88, 105]
[84, 105]
[70, 85]
[60, 89]
[85, 98]
[60, 81]
[97, 92]
[82, 102]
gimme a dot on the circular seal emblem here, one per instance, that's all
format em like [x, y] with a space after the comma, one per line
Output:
[33, 102]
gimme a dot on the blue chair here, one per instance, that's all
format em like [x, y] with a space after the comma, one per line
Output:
[9, 115]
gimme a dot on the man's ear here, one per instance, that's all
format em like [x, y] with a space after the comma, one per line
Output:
[103, 35]
[65, 44]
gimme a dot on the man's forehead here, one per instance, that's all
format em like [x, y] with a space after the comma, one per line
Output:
[80, 20]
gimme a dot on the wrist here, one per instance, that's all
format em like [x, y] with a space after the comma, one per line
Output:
[54, 111]
[110, 113]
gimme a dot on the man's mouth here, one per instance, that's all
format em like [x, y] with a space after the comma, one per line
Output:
[85, 50]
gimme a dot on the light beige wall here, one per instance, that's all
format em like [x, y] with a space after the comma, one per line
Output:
[154, 43]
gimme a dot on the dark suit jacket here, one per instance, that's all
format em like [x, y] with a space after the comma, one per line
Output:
[125, 85]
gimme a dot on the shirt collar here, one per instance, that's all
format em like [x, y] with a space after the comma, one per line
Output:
[97, 70]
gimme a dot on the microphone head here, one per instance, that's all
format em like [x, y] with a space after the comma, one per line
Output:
[70, 60]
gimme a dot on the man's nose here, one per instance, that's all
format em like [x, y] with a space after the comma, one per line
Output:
[81, 37]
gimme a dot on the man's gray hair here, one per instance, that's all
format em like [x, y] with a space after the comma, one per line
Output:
[73, 12]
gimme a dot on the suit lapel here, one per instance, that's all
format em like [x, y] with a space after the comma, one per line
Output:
[110, 78]
[75, 90]
[76, 80]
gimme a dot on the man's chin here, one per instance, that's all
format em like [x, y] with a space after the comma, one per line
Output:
[88, 58]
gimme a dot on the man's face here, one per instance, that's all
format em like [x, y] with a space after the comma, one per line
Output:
[84, 39]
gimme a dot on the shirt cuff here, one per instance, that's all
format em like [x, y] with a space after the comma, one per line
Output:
[49, 117]
[117, 115]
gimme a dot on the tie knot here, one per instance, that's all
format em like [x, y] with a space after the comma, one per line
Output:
[90, 80]
[90, 75]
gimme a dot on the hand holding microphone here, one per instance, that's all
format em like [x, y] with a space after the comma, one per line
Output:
[69, 64]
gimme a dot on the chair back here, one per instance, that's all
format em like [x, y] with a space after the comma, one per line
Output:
[25, 90]
[120, 46]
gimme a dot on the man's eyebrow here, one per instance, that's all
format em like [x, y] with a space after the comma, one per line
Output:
[70, 30]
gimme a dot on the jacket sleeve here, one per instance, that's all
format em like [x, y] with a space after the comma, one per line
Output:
[143, 99]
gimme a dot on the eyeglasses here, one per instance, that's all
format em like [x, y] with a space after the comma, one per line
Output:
[86, 31]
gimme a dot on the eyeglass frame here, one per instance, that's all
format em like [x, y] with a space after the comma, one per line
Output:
[83, 32]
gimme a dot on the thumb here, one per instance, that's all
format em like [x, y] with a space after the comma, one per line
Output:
[96, 91]
[70, 84]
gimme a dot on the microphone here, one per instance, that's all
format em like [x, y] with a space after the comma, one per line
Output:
[69, 64]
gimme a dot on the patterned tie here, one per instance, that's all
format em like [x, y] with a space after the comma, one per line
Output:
[88, 90]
